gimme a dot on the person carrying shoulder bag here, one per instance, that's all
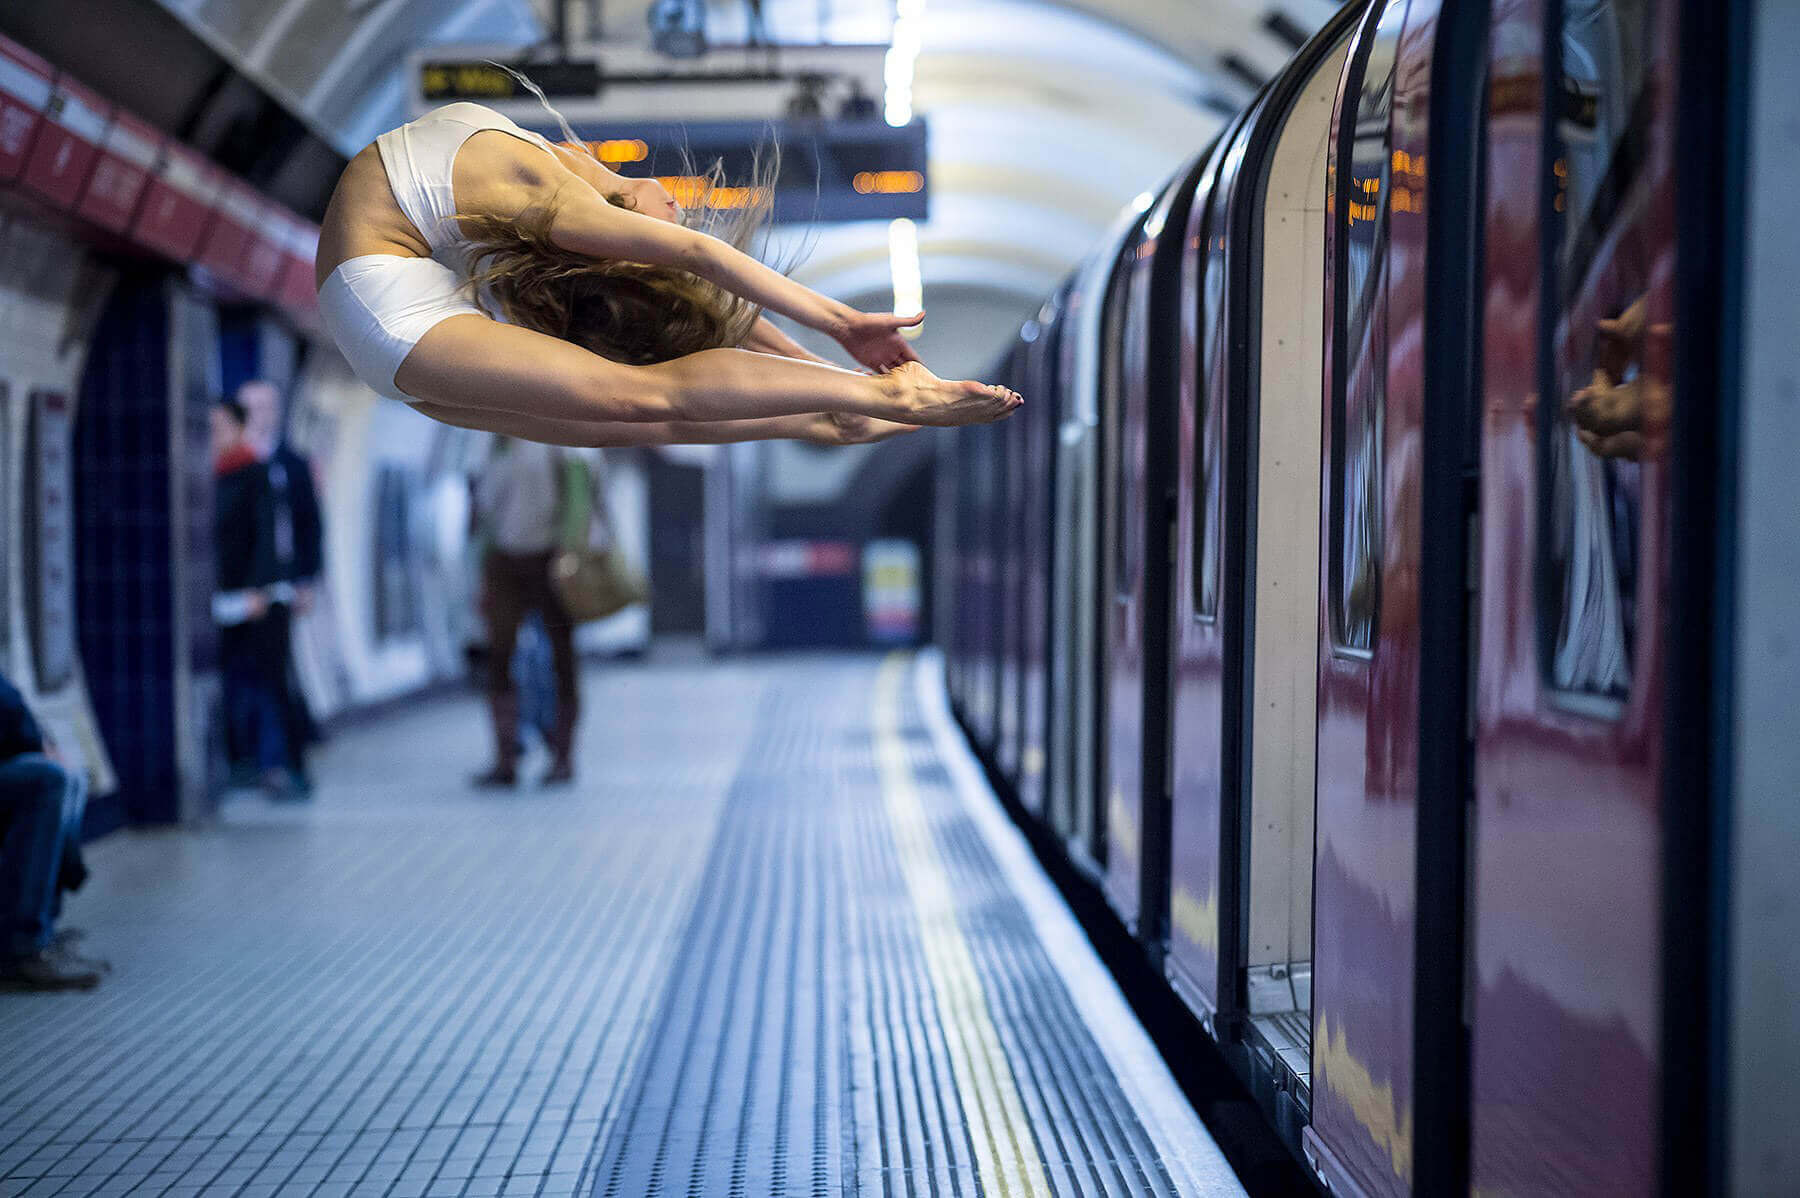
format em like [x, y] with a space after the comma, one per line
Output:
[592, 576]
[530, 502]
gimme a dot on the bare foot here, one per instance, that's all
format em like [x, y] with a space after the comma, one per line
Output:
[927, 399]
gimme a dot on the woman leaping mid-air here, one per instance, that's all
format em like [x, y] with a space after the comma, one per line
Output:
[622, 326]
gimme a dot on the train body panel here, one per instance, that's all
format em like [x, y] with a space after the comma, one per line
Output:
[1010, 585]
[1196, 733]
[1362, 1110]
[1076, 814]
[1136, 413]
[1038, 454]
[1574, 551]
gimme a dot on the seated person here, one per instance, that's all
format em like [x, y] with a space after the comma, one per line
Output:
[40, 811]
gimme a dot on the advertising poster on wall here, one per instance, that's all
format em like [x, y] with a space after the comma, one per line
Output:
[50, 525]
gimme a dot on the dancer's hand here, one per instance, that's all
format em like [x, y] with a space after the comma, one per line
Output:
[924, 398]
[873, 339]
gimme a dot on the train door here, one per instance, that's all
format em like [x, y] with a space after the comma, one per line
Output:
[1245, 618]
[1196, 730]
[1039, 420]
[1400, 476]
[1278, 222]
[1580, 281]
[1071, 736]
[1365, 902]
[957, 496]
[1075, 585]
[1134, 433]
[1010, 532]
[987, 482]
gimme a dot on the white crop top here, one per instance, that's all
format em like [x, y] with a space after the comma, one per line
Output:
[378, 306]
[420, 158]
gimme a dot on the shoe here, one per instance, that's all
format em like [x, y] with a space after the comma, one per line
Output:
[500, 777]
[561, 774]
[63, 953]
[45, 970]
[284, 785]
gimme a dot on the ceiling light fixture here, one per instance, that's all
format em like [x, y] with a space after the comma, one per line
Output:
[903, 53]
[903, 263]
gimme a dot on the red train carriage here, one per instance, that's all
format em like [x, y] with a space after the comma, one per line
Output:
[1432, 358]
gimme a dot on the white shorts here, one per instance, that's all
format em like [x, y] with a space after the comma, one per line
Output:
[377, 306]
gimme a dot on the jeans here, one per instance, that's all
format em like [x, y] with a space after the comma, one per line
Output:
[515, 585]
[257, 733]
[34, 801]
[267, 726]
[71, 870]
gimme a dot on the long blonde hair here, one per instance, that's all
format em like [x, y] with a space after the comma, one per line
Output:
[634, 313]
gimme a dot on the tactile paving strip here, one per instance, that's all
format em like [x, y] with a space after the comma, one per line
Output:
[859, 1005]
[738, 1089]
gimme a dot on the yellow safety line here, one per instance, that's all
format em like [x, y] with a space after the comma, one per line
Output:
[1006, 1156]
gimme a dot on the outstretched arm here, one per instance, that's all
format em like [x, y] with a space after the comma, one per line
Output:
[474, 363]
[818, 428]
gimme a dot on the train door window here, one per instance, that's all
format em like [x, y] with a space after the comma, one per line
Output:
[1359, 399]
[1120, 448]
[1606, 407]
[1207, 430]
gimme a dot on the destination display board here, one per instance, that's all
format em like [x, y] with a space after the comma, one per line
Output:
[445, 81]
[830, 170]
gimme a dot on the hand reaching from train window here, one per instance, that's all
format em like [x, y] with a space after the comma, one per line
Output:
[1607, 415]
[1623, 412]
[1620, 343]
[874, 340]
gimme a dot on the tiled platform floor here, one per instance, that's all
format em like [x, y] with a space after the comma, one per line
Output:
[765, 947]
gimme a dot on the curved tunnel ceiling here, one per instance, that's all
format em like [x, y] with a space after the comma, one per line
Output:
[1044, 123]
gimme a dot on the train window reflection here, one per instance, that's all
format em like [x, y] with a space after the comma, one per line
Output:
[1360, 348]
[1210, 393]
[1601, 244]
[1122, 450]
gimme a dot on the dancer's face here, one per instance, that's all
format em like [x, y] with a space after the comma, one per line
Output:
[652, 199]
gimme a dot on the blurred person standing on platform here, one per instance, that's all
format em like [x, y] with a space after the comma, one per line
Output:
[41, 804]
[295, 533]
[245, 578]
[531, 500]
